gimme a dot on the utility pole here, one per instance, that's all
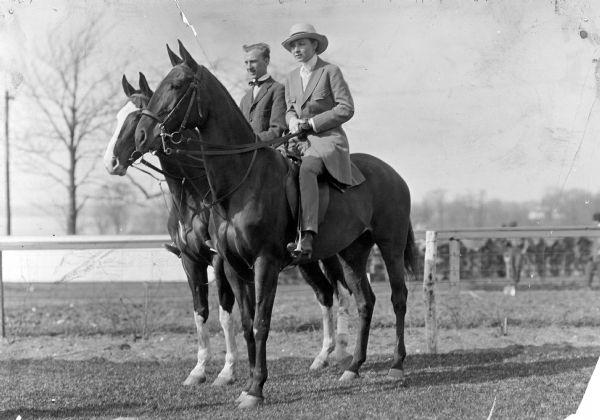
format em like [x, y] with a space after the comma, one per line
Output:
[7, 98]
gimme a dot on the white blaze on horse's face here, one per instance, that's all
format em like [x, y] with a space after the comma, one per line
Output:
[111, 163]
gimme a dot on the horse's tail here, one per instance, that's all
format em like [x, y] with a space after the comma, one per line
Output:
[410, 252]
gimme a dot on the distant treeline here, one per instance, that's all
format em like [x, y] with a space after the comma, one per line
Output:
[570, 207]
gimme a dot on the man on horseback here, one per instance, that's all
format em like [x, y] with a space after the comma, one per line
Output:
[264, 103]
[318, 102]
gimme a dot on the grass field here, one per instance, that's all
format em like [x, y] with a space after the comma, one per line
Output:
[74, 351]
[143, 308]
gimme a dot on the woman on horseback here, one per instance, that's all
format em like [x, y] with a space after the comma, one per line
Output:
[318, 102]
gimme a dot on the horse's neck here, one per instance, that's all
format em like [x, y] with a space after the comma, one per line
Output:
[179, 179]
[225, 124]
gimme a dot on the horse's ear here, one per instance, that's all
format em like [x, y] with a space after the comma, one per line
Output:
[173, 57]
[145, 88]
[127, 88]
[187, 58]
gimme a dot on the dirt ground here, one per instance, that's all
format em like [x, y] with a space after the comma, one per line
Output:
[171, 346]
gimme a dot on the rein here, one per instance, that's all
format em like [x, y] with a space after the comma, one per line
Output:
[226, 149]
[176, 138]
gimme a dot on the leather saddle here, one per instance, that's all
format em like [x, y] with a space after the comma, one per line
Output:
[292, 188]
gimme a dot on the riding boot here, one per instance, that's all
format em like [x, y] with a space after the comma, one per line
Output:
[173, 249]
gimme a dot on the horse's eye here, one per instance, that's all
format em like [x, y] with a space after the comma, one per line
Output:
[175, 86]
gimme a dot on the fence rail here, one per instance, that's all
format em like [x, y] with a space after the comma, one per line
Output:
[36, 243]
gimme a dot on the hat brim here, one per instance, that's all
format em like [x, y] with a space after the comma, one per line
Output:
[321, 40]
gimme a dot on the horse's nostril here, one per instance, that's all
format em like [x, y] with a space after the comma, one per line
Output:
[115, 162]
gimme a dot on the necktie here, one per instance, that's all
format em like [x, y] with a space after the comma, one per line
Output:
[256, 82]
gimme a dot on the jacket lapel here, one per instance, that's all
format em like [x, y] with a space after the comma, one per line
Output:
[296, 88]
[263, 90]
[312, 81]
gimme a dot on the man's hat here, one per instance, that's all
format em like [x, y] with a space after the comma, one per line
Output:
[305, 30]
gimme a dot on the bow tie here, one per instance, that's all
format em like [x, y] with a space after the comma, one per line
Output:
[256, 82]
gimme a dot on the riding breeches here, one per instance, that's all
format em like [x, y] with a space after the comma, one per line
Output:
[310, 169]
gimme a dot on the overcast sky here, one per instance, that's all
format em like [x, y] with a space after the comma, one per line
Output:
[458, 95]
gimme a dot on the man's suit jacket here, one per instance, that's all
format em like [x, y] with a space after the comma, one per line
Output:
[266, 113]
[327, 100]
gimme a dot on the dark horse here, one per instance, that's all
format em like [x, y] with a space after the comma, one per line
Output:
[187, 227]
[251, 222]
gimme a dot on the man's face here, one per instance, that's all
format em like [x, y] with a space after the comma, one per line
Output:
[256, 65]
[303, 49]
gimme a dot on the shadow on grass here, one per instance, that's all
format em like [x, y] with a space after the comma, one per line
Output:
[491, 364]
[99, 388]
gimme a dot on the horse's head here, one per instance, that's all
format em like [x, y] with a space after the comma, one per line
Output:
[119, 153]
[175, 105]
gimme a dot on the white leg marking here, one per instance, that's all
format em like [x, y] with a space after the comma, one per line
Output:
[210, 277]
[227, 374]
[328, 341]
[198, 374]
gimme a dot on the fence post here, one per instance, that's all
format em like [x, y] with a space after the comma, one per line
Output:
[429, 290]
[454, 264]
[2, 299]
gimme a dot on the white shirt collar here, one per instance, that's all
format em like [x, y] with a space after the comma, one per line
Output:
[264, 77]
[309, 65]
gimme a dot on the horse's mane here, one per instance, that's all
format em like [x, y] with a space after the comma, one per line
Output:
[230, 102]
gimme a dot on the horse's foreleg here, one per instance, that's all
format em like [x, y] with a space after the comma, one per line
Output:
[324, 293]
[244, 294]
[198, 374]
[266, 271]
[196, 274]
[226, 301]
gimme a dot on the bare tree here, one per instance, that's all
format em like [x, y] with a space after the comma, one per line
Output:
[75, 101]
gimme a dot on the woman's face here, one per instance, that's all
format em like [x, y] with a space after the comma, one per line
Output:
[303, 49]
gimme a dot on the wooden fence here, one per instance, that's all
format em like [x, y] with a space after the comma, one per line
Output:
[432, 240]
[35, 243]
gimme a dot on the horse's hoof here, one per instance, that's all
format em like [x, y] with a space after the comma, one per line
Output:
[397, 374]
[348, 376]
[194, 380]
[343, 360]
[222, 381]
[250, 401]
[319, 364]
[242, 396]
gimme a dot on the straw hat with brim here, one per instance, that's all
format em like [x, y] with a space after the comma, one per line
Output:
[305, 30]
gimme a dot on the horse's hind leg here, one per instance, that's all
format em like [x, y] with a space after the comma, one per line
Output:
[335, 273]
[324, 292]
[393, 256]
[355, 257]
[226, 301]
[197, 280]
